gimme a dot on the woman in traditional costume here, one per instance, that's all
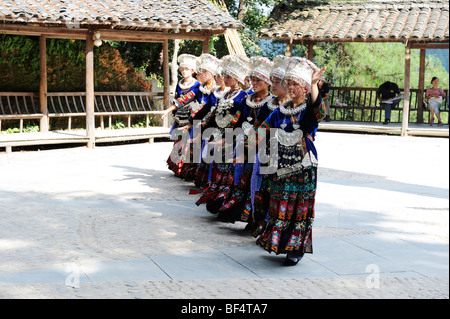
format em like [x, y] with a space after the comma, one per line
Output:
[202, 172]
[187, 67]
[256, 209]
[255, 111]
[191, 102]
[226, 114]
[292, 187]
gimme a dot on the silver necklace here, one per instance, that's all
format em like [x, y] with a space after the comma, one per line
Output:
[223, 115]
[292, 111]
[256, 105]
[218, 93]
[205, 90]
[273, 106]
[187, 85]
[227, 103]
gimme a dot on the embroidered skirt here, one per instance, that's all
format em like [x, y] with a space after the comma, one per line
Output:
[290, 213]
[219, 190]
[180, 160]
[232, 209]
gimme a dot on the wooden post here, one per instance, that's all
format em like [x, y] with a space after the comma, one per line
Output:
[289, 48]
[90, 116]
[206, 42]
[421, 86]
[406, 102]
[166, 78]
[43, 83]
[310, 51]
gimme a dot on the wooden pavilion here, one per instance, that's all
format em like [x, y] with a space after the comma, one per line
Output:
[124, 20]
[418, 24]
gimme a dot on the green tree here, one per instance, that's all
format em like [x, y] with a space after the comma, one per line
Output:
[371, 64]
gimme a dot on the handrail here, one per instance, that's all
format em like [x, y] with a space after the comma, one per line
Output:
[25, 105]
[361, 104]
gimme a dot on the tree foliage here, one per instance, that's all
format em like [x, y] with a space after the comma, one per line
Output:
[349, 64]
[371, 64]
[20, 72]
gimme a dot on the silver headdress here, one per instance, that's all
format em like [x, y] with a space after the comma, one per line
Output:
[261, 68]
[235, 67]
[207, 62]
[280, 64]
[300, 70]
[187, 61]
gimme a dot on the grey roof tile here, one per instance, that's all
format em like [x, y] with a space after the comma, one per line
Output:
[379, 20]
[139, 13]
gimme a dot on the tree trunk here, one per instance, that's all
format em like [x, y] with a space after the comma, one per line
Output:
[243, 8]
[174, 65]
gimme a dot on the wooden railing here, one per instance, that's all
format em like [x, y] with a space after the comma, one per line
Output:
[347, 104]
[23, 106]
[19, 106]
[361, 104]
[107, 104]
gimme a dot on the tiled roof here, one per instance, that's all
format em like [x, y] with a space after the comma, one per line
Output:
[167, 14]
[415, 20]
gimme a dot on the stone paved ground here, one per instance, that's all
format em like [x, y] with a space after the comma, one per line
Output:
[118, 224]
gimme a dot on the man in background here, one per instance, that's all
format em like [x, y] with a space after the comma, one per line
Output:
[389, 95]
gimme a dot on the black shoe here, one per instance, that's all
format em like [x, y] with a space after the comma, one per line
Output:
[327, 118]
[386, 122]
[291, 261]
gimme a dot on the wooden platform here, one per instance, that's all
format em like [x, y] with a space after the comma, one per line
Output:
[391, 128]
[8, 141]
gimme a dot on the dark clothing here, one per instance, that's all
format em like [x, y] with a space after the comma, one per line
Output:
[324, 89]
[388, 90]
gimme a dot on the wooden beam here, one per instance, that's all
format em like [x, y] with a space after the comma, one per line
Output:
[406, 102]
[421, 86]
[51, 32]
[429, 45]
[149, 36]
[90, 111]
[106, 33]
[43, 83]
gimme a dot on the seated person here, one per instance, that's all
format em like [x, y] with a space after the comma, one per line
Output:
[434, 98]
[389, 95]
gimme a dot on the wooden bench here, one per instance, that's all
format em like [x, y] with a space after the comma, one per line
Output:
[22, 106]
[19, 106]
[107, 104]
[25, 106]
[361, 104]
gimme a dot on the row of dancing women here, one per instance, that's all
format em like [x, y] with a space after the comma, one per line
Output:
[274, 104]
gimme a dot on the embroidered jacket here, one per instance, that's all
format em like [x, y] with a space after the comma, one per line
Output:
[227, 111]
[185, 105]
[295, 134]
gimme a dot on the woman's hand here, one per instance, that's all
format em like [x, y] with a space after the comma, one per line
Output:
[169, 110]
[186, 127]
[317, 74]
